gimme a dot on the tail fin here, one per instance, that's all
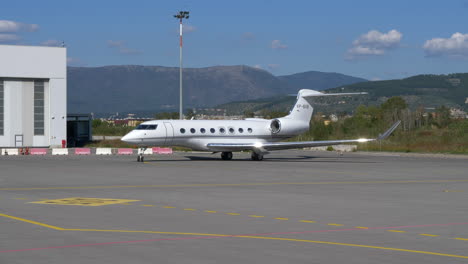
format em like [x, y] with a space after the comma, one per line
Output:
[303, 109]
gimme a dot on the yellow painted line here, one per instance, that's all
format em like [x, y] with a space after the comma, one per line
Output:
[256, 216]
[232, 214]
[189, 209]
[147, 205]
[333, 224]
[307, 221]
[210, 211]
[459, 238]
[240, 236]
[357, 245]
[125, 203]
[20, 198]
[396, 231]
[429, 235]
[31, 222]
[281, 218]
[361, 227]
[148, 232]
[168, 207]
[229, 184]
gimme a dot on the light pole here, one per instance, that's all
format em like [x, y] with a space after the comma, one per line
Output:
[181, 15]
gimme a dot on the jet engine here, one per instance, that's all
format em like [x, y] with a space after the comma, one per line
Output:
[287, 127]
[275, 126]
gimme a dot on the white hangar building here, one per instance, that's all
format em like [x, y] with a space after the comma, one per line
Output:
[33, 96]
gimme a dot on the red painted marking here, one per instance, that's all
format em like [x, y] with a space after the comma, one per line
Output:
[38, 151]
[106, 243]
[82, 151]
[125, 151]
[158, 150]
[206, 237]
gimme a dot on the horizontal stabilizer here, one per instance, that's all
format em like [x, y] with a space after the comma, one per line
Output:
[313, 93]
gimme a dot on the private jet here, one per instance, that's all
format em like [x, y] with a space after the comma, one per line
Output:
[251, 134]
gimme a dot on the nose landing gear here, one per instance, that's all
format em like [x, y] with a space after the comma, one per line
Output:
[226, 155]
[140, 157]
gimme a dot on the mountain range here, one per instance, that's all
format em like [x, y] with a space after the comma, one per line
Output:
[133, 88]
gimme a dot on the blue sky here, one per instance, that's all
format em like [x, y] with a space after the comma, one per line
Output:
[370, 39]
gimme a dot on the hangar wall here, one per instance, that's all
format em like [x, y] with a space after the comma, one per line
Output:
[33, 95]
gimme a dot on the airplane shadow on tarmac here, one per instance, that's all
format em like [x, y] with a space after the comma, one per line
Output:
[266, 159]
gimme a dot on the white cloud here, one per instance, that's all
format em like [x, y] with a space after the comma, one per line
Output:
[273, 66]
[121, 47]
[12, 26]
[115, 43]
[9, 38]
[8, 27]
[189, 28]
[258, 66]
[52, 43]
[73, 61]
[277, 44]
[455, 46]
[374, 43]
[248, 36]
[129, 51]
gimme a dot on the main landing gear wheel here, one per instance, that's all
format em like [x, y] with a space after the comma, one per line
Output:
[256, 156]
[226, 155]
[140, 158]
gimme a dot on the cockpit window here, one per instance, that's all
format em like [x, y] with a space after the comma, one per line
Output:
[146, 127]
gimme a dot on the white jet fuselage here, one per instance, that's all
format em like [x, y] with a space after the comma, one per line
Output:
[257, 135]
[197, 134]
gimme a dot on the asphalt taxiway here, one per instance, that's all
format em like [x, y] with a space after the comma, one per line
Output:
[292, 207]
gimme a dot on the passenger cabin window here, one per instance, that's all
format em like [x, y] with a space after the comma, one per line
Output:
[203, 130]
[231, 130]
[249, 130]
[182, 130]
[192, 130]
[241, 130]
[212, 130]
[146, 127]
[222, 130]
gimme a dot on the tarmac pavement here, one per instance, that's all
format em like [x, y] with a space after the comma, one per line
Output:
[292, 207]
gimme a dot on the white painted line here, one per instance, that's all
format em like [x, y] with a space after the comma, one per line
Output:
[60, 151]
[148, 151]
[10, 151]
[103, 151]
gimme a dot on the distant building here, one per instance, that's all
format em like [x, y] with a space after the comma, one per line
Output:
[33, 96]
[457, 113]
[454, 81]
[128, 121]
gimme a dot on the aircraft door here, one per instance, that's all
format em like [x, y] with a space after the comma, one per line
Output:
[169, 133]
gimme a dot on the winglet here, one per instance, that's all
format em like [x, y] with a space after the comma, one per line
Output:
[389, 131]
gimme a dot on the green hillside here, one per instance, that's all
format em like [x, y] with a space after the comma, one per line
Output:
[428, 91]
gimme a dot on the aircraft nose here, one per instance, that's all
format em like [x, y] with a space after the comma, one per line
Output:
[127, 138]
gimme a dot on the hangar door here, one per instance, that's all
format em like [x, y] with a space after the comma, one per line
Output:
[25, 113]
